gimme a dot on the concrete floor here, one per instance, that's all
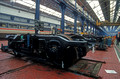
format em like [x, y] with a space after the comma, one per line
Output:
[27, 70]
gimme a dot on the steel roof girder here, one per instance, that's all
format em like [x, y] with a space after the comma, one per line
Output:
[72, 8]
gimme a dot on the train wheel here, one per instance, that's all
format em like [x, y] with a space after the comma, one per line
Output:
[70, 57]
[53, 50]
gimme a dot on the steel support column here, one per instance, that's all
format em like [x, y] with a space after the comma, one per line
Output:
[82, 28]
[63, 7]
[75, 22]
[12, 18]
[87, 26]
[93, 29]
[87, 23]
[37, 13]
[82, 19]
[49, 24]
[83, 10]
[90, 28]
[75, 4]
[6, 25]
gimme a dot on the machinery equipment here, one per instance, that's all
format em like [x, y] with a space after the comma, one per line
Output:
[101, 44]
[61, 50]
[109, 42]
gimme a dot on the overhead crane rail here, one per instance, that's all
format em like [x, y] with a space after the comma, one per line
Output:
[106, 23]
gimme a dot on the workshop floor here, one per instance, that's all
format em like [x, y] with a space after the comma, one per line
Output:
[15, 68]
[111, 60]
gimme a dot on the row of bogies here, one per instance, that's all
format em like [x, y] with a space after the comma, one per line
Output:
[61, 50]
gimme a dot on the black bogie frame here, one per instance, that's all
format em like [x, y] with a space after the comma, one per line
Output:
[56, 48]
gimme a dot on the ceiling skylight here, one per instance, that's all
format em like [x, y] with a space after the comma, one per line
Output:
[110, 28]
[112, 10]
[117, 28]
[118, 15]
[79, 8]
[31, 4]
[96, 8]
